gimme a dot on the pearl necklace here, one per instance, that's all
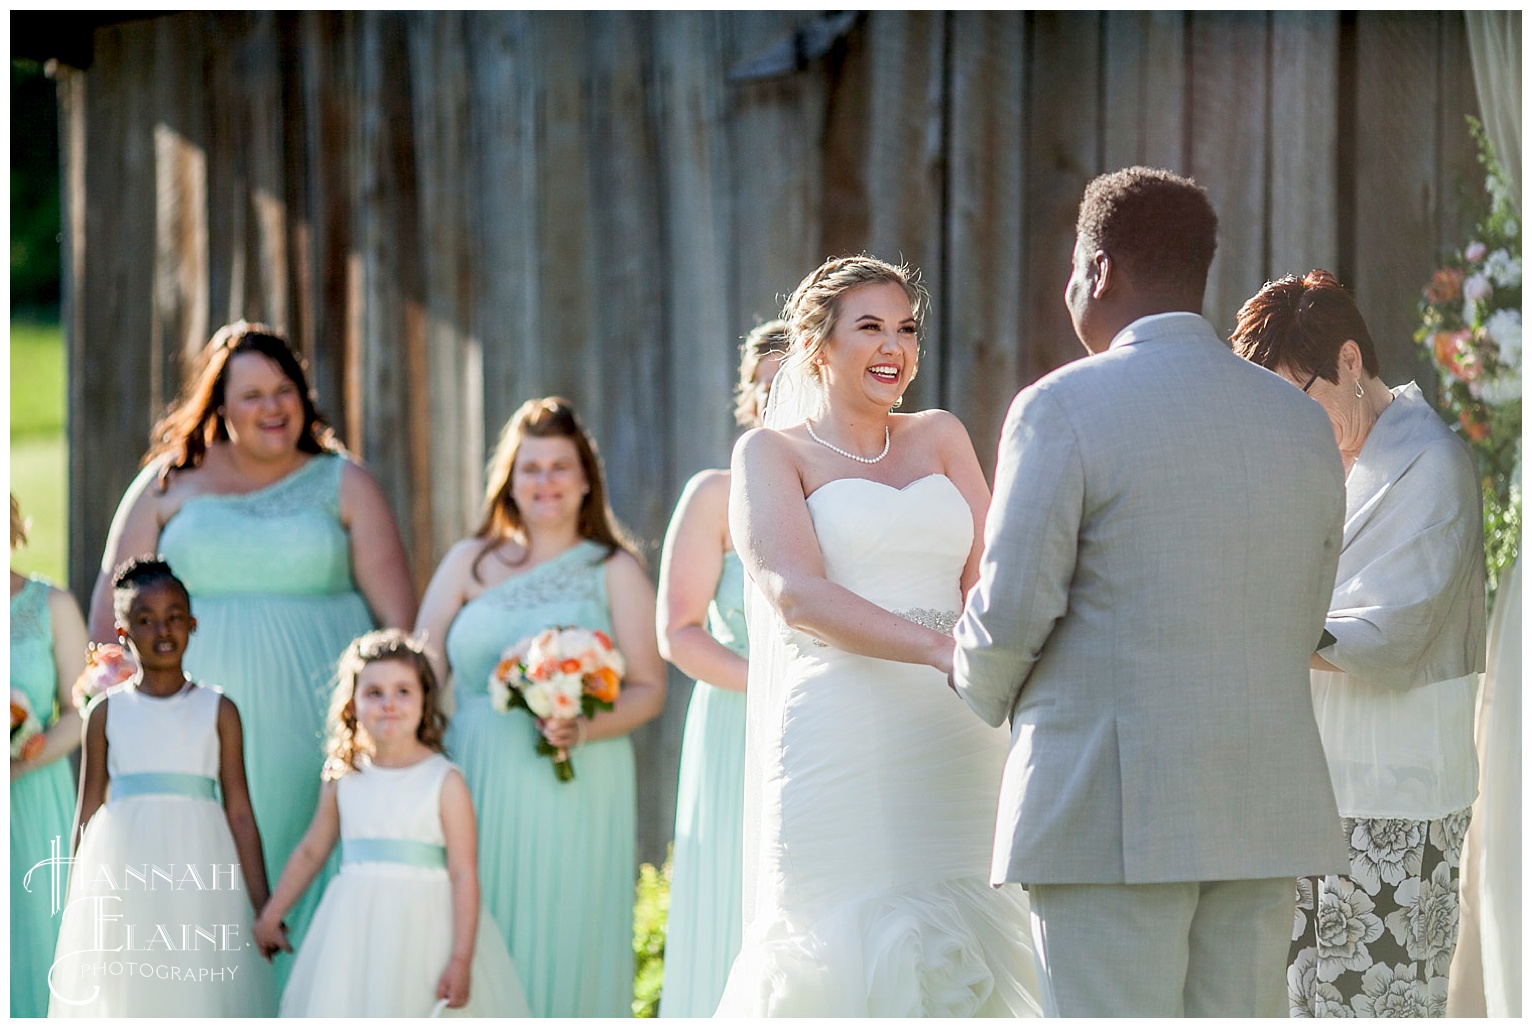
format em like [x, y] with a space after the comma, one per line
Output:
[887, 438]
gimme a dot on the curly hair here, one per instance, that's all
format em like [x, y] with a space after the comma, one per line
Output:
[19, 524]
[1300, 324]
[193, 421]
[1157, 224]
[342, 743]
[811, 310]
[770, 337]
[139, 573]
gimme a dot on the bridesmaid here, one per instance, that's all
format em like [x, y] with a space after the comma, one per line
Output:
[702, 583]
[289, 550]
[47, 655]
[557, 858]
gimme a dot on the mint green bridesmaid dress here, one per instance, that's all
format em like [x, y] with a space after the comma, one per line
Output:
[703, 934]
[556, 859]
[272, 591]
[42, 809]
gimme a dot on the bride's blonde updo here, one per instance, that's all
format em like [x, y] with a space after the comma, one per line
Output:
[811, 311]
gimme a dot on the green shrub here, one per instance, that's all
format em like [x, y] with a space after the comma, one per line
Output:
[649, 916]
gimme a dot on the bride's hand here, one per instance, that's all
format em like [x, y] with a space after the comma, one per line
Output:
[942, 648]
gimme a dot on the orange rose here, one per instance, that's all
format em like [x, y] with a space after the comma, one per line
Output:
[1446, 284]
[505, 670]
[602, 638]
[1473, 428]
[603, 684]
[33, 746]
[569, 666]
[18, 716]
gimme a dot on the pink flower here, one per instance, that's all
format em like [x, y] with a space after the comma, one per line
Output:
[1475, 252]
[1477, 288]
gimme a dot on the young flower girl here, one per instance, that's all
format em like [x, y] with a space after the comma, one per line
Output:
[165, 883]
[400, 930]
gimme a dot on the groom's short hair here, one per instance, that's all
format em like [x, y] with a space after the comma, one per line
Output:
[1159, 226]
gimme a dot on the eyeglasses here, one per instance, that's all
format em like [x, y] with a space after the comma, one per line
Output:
[1310, 382]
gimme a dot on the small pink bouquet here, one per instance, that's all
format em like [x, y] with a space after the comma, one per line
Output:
[107, 665]
[560, 672]
[27, 737]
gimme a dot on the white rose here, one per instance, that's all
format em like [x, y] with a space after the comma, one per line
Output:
[1504, 327]
[1504, 269]
[1502, 389]
[538, 698]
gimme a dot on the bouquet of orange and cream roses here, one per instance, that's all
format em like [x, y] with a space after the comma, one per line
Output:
[560, 672]
[107, 665]
[27, 738]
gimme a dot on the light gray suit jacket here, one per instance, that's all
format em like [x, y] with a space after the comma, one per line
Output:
[1158, 561]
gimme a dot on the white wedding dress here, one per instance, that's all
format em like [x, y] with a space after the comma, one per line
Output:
[872, 795]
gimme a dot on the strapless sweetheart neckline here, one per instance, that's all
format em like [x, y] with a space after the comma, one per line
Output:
[881, 485]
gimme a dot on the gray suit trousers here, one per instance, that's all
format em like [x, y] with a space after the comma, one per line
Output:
[1178, 949]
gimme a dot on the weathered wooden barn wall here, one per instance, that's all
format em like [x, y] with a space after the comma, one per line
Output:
[452, 212]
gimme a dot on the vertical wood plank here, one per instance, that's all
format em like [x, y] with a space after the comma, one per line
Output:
[508, 312]
[773, 133]
[884, 160]
[1144, 102]
[1229, 152]
[558, 356]
[1063, 154]
[394, 396]
[447, 211]
[1304, 137]
[326, 52]
[114, 386]
[83, 509]
[1398, 192]
[984, 294]
[180, 313]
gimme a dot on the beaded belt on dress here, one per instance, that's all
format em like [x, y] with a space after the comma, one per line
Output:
[164, 783]
[393, 851]
[942, 621]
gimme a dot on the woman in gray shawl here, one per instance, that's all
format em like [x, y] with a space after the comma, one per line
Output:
[1395, 673]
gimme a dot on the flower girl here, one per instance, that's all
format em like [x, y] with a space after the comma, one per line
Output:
[165, 883]
[400, 929]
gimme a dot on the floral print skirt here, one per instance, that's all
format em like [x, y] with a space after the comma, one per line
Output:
[1377, 943]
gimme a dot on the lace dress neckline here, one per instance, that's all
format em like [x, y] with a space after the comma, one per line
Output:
[260, 492]
[537, 571]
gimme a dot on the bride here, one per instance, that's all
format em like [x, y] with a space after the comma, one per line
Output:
[871, 789]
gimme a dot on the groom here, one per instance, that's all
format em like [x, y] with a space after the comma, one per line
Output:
[1158, 560]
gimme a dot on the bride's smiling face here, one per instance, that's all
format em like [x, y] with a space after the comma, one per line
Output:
[873, 349]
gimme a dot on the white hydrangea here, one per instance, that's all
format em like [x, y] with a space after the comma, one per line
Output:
[1504, 269]
[1501, 389]
[1504, 327]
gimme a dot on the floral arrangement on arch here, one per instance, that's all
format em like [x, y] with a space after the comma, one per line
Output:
[1470, 326]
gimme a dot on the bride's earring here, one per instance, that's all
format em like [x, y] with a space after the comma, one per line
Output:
[897, 403]
[1359, 393]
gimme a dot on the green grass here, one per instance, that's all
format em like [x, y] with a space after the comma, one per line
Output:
[39, 468]
[37, 380]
